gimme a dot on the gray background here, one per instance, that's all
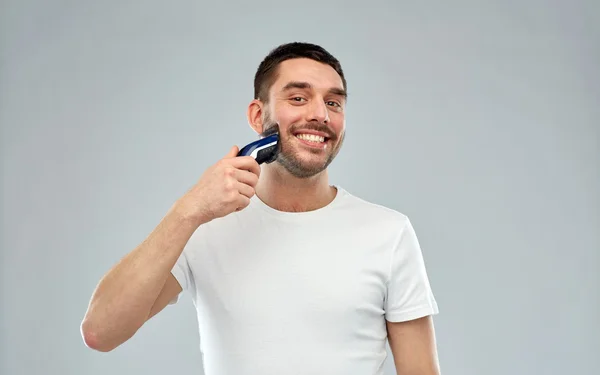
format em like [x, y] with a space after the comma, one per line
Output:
[480, 122]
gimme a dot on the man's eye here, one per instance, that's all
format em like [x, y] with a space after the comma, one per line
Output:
[334, 104]
[297, 99]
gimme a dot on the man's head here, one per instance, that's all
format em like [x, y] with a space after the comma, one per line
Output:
[302, 88]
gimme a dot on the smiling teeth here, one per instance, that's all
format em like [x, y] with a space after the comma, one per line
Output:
[311, 137]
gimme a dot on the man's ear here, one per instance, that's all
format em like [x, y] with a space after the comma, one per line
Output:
[255, 115]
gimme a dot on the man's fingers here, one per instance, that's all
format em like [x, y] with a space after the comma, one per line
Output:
[246, 177]
[246, 163]
[232, 152]
[245, 190]
[244, 201]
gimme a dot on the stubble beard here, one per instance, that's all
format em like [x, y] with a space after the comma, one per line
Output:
[293, 163]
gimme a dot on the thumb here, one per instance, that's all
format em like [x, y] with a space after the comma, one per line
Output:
[233, 151]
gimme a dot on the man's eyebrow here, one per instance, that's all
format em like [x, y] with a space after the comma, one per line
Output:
[296, 85]
[340, 92]
[306, 85]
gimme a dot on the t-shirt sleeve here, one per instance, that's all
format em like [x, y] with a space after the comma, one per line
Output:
[409, 294]
[183, 273]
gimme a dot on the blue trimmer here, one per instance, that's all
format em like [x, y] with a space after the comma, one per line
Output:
[264, 150]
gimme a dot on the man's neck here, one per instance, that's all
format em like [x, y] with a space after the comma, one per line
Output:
[284, 192]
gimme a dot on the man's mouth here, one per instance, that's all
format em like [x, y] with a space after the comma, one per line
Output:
[312, 135]
[313, 138]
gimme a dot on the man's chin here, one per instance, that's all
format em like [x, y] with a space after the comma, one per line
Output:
[300, 169]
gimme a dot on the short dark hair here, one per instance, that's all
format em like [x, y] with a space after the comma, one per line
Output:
[266, 73]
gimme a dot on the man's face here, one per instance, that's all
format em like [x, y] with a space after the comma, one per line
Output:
[308, 102]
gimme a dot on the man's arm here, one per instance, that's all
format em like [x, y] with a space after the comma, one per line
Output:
[138, 286]
[413, 347]
[141, 284]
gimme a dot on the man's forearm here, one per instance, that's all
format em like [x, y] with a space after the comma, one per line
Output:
[124, 296]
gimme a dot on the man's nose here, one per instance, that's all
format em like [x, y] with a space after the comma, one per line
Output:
[318, 111]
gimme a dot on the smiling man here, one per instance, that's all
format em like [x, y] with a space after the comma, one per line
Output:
[289, 274]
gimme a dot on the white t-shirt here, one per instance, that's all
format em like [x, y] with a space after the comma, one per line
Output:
[303, 293]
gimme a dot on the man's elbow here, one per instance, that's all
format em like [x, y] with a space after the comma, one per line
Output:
[93, 339]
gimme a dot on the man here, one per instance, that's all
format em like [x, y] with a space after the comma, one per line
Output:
[289, 274]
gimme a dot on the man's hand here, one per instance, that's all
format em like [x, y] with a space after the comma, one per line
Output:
[225, 187]
[413, 347]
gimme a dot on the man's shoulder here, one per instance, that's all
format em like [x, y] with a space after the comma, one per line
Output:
[372, 209]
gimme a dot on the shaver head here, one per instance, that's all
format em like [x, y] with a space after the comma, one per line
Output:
[264, 150]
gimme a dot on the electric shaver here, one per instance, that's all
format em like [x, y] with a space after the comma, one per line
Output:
[264, 150]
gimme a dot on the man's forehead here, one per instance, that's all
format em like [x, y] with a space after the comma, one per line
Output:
[308, 73]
